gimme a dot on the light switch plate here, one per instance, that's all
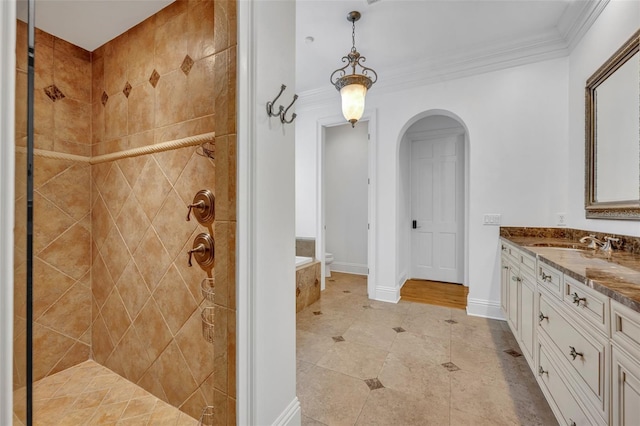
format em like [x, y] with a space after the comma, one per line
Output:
[492, 219]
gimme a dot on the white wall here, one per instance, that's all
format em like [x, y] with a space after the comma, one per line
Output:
[516, 120]
[346, 197]
[266, 233]
[618, 21]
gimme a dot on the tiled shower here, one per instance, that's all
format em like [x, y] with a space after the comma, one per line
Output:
[110, 276]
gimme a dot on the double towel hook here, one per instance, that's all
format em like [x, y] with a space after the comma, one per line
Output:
[281, 110]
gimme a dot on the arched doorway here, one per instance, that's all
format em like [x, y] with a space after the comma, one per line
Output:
[433, 165]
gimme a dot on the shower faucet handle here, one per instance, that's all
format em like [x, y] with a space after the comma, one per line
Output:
[198, 205]
[203, 207]
[202, 251]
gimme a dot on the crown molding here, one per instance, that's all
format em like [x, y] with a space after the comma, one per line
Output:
[577, 20]
[553, 44]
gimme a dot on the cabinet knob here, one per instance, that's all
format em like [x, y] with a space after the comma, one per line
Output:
[516, 279]
[542, 317]
[574, 353]
[577, 299]
[545, 277]
[541, 371]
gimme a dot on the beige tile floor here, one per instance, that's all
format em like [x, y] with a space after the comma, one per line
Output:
[372, 363]
[90, 394]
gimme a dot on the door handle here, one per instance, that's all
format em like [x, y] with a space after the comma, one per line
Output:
[414, 224]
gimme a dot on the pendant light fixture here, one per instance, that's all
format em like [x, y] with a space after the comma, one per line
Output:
[353, 87]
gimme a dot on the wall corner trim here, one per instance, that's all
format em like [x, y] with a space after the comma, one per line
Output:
[7, 215]
[387, 294]
[292, 415]
[485, 309]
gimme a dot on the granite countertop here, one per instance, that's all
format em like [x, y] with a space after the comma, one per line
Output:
[616, 275]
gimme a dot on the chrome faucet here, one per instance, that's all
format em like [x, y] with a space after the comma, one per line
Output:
[596, 243]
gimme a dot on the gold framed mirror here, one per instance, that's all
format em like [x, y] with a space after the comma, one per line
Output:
[612, 181]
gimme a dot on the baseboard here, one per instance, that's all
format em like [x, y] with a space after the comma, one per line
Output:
[402, 280]
[485, 309]
[292, 415]
[350, 268]
[387, 294]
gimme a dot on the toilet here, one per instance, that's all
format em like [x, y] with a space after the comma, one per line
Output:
[328, 260]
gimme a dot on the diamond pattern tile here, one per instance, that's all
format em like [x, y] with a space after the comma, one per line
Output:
[53, 93]
[374, 384]
[155, 77]
[450, 366]
[127, 89]
[513, 353]
[338, 339]
[186, 65]
[399, 329]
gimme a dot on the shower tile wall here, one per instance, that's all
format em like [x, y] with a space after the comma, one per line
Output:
[138, 309]
[62, 225]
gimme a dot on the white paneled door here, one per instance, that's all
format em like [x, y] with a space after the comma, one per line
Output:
[437, 197]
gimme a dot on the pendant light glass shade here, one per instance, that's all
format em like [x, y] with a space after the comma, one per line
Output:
[353, 102]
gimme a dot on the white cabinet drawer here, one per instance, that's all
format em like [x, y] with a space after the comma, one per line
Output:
[584, 354]
[561, 400]
[527, 263]
[586, 302]
[550, 279]
[511, 253]
[625, 327]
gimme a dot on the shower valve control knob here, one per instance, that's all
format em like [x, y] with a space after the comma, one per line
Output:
[203, 207]
[202, 251]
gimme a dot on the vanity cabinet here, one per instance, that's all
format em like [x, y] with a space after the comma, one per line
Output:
[625, 365]
[583, 347]
[518, 290]
[625, 401]
[582, 354]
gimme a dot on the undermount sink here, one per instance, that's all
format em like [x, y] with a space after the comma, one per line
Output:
[561, 246]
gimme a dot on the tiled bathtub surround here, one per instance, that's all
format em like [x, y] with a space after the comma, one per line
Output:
[616, 275]
[306, 247]
[114, 255]
[307, 285]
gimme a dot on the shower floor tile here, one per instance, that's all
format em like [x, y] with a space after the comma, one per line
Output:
[90, 394]
[408, 364]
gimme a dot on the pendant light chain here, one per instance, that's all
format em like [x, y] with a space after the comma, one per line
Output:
[353, 36]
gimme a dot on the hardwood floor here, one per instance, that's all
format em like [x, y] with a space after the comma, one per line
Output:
[435, 293]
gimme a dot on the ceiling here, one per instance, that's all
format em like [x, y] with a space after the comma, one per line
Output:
[410, 40]
[405, 41]
[90, 23]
